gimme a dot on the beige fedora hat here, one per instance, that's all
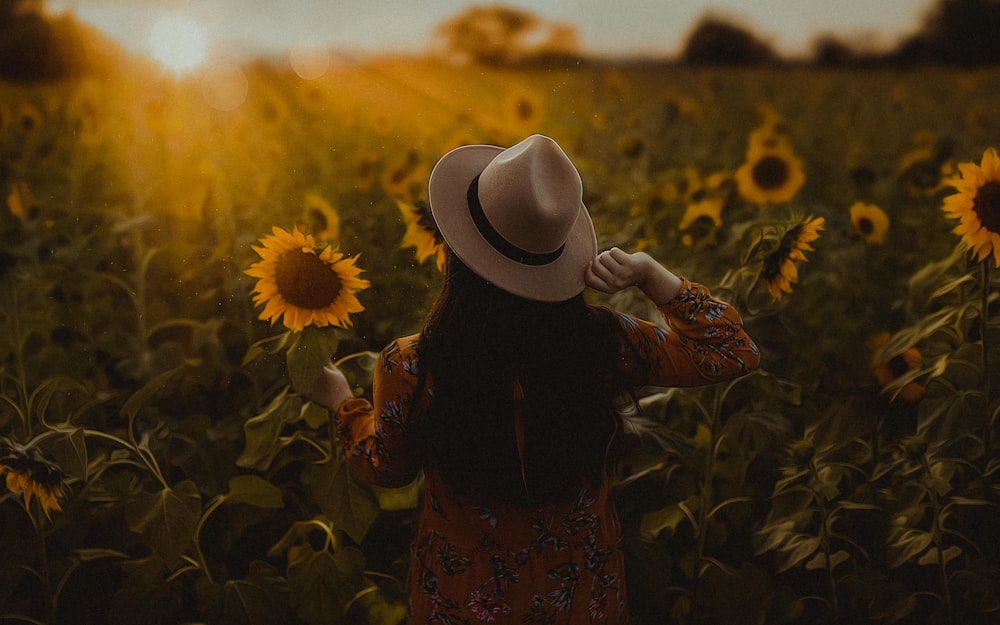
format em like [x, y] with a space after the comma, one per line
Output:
[516, 216]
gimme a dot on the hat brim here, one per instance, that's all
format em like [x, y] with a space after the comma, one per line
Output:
[447, 191]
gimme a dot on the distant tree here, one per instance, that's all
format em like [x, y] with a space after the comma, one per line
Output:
[716, 41]
[37, 48]
[827, 50]
[497, 34]
[956, 32]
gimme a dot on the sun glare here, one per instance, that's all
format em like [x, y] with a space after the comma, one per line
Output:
[178, 42]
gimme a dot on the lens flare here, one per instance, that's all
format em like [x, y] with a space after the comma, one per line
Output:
[178, 42]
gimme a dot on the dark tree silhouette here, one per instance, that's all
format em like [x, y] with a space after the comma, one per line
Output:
[37, 48]
[716, 41]
[956, 32]
[502, 35]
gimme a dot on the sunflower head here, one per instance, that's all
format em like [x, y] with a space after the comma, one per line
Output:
[30, 474]
[890, 368]
[772, 173]
[870, 222]
[322, 218]
[304, 284]
[779, 270]
[977, 205]
[421, 232]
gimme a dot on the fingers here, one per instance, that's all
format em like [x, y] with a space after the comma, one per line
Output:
[610, 271]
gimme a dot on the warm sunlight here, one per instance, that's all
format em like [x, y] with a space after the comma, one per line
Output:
[179, 42]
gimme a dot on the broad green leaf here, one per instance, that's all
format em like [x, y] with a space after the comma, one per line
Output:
[262, 598]
[908, 545]
[797, 549]
[166, 519]
[379, 610]
[141, 397]
[350, 505]
[263, 431]
[269, 345]
[308, 353]
[819, 560]
[254, 490]
[930, 557]
[314, 415]
[655, 523]
[323, 584]
[405, 498]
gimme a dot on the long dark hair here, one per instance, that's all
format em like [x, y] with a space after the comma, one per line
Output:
[477, 342]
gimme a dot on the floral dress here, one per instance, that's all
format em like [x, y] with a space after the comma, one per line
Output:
[479, 561]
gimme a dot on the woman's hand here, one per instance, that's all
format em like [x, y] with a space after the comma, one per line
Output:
[330, 389]
[615, 270]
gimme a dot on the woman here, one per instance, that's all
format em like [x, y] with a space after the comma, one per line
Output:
[505, 400]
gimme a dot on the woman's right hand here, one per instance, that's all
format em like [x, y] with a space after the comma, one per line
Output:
[615, 270]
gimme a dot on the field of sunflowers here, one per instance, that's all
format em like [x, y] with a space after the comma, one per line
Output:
[158, 464]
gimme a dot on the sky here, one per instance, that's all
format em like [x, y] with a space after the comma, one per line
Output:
[625, 27]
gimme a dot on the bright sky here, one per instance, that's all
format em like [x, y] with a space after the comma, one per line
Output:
[604, 26]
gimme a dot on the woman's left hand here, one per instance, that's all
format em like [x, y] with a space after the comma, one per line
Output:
[330, 389]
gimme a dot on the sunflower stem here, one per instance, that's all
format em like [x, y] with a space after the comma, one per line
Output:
[984, 327]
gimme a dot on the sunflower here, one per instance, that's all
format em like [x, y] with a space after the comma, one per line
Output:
[421, 233]
[977, 205]
[322, 218]
[701, 219]
[890, 369]
[772, 173]
[924, 170]
[779, 266]
[21, 203]
[405, 175]
[523, 111]
[33, 476]
[305, 284]
[870, 222]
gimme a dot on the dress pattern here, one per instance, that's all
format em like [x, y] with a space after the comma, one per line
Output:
[481, 561]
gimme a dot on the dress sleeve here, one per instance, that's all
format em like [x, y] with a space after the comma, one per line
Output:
[378, 440]
[704, 342]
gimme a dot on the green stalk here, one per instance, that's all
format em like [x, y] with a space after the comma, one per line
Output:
[984, 325]
[937, 531]
[824, 538]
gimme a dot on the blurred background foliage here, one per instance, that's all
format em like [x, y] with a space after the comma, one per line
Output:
[159, 468]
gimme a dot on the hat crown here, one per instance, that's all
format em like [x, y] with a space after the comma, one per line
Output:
[532, 194]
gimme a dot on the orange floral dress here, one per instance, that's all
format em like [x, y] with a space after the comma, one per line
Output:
[480, 561]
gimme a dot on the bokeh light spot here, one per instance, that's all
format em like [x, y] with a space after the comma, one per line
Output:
[224, 86]
[309, 62]
[179, 42]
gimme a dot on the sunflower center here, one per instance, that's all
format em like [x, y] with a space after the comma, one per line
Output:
[987, 205]
[898, 366]
[305, 281]
[865, 226]
[770, 172]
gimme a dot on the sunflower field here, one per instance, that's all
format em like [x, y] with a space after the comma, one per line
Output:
[158, 463]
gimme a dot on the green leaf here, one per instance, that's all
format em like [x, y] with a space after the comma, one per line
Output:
[930, 557]
[142, 396]
[819, 560]
[262, 598]
[98, 553]
[908, 545]
[349, 504]
[166, 519]
[263, 431]
[254, 490]
[269, 345]
[323, 584]
[308, 353]
[797, 549]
